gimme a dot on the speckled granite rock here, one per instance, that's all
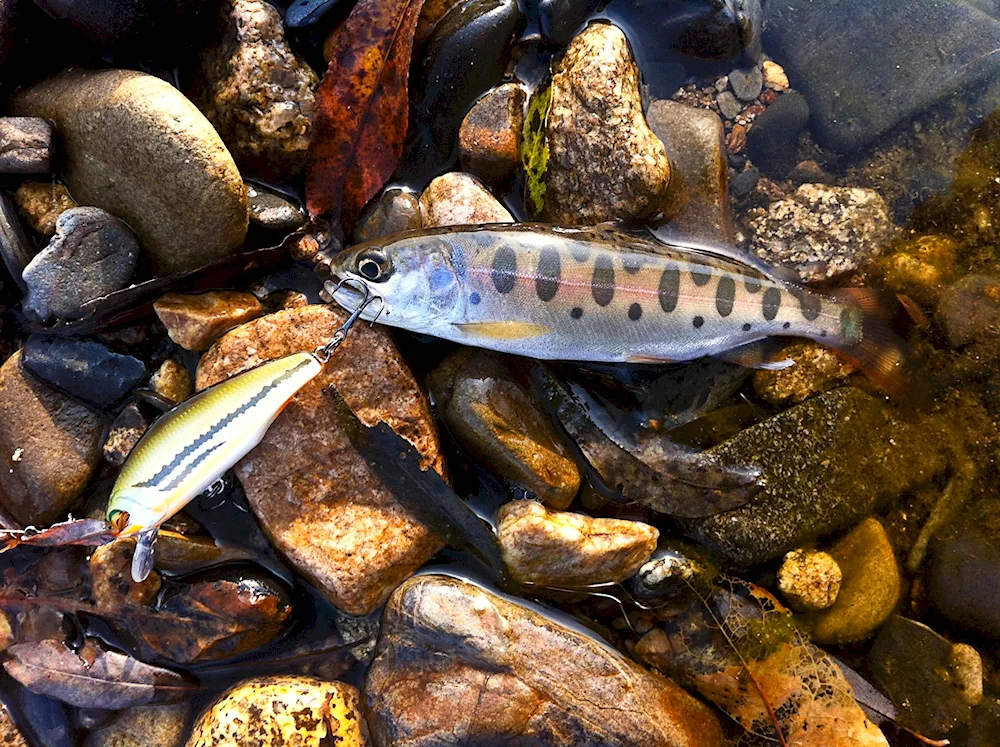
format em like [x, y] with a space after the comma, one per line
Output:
[42, 203]
[822, 232]
[454, 658]
[816, 370]
[314, 495]
[604, 161]
[458, 199]
[259, 95]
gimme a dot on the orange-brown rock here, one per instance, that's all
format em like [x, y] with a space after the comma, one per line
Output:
[455, 659]
[314, 494]
[489, 139]
[50, 446]
[172, 381]
[561, 548]
[42, 203]
[196, 321]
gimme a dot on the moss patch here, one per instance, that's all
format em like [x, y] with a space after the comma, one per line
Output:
[535, 149]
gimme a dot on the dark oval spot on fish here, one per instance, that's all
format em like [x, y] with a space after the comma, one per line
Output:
[771, 303]
[504, 269]
[576, 312]
[747, 327]
[697, 322]
[725, 296]
[602, 284]
[549, 272]
[701, 278]
[635, 312]
[811, 305]
[474, 298]
[753, 285]
[670, 286]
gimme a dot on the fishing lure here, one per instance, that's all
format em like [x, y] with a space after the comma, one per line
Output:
[598, 295]
[188, 449]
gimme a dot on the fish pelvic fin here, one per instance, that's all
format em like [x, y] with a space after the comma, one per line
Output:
[767, 354]
[503, 330]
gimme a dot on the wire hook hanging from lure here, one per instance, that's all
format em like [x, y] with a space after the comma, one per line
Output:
[189, 448]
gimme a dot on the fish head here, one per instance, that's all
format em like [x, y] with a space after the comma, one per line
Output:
[133, 509]
[415, 279]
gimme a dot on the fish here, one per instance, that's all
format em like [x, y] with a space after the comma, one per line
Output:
[185, 451]
[605, 296]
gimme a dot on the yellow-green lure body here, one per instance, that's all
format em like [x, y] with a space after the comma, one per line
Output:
[187, 450]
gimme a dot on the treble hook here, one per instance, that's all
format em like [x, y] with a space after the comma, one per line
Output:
[324, 352]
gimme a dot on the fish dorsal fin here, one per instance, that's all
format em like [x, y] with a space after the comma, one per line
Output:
[503, 330]
[142, 560]
[734, 255]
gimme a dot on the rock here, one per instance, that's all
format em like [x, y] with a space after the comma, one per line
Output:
[502, 423]
[195, 322]
[259, 95]
[677, 569]
[604, 162]
[822, 232]
[559, 20]
[453, 658]
[964, 569]
[921, 268]
[145, 726]
[394, 210]
[747, 84]
[111, 577]
[773, 141]
[557, 548]
[697, 198]
[809, 579]
[172, 381]
[743, 184]
[141, 27]
[870, 588]
[42, 203]
[729, 106]
[826, 464]
[137, 148]
[817, 369]
[26, 145]
[934, 682]
[467, 55]
[458, 199]
[91, 255]
[903, 72]
[271, 212]
[283, 710]
[775, 77]
[10, 736]
[314, 495]
[47, 465]
[14, 245]
[83, 368]
[489, 139]
[124, 434]
[969, 310]
[806, 172]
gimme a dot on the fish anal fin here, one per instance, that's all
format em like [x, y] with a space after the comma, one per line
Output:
[767, 355]
[503, 330]
[142, 559]
[649, 359]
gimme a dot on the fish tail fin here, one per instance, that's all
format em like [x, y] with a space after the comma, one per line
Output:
[880, 353]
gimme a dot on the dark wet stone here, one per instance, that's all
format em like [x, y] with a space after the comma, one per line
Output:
[142, 26]
[742, 184]
[392, 211]
[747, 84]
[26, 145]
[14, 246]
[697, 199]
[826, 463]
[903, 69]
[466, 56]
[964, 571]
[773, 139]
[729, 105]
[969, 310]
[91, 255]
[934, 682]
[271, 212]
[559, 20]
[83, 368]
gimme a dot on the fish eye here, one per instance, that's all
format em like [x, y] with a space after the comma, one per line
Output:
[374, 266]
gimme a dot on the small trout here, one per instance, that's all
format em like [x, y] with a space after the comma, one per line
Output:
[597, 295]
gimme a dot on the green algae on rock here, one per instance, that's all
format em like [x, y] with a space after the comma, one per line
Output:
[535, 149]
[827, 463]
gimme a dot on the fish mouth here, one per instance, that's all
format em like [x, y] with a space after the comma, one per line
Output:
[345, 292]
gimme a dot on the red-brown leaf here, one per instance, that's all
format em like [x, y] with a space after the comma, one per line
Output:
[362, 109]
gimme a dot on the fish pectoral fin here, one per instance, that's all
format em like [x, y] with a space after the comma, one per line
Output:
[503, 330]
[142, 559]
[765, 354]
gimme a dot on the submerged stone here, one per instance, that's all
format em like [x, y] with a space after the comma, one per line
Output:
[392, 211]
[84, 368]
[454, 658]
[827, 463]
[773, 141]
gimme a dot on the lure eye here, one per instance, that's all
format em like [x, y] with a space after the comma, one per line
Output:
[373, 266]
[118, 520]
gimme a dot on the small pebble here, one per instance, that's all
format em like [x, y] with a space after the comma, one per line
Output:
[394, 210]
[272, 212]
[458, 199]
[172, 381]
[729, 105]
[42, 203]
[25, 145]
[83, 368]
[747, 84]
[195, 322]
[774, 76]
[810, 580]
[124, 434]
